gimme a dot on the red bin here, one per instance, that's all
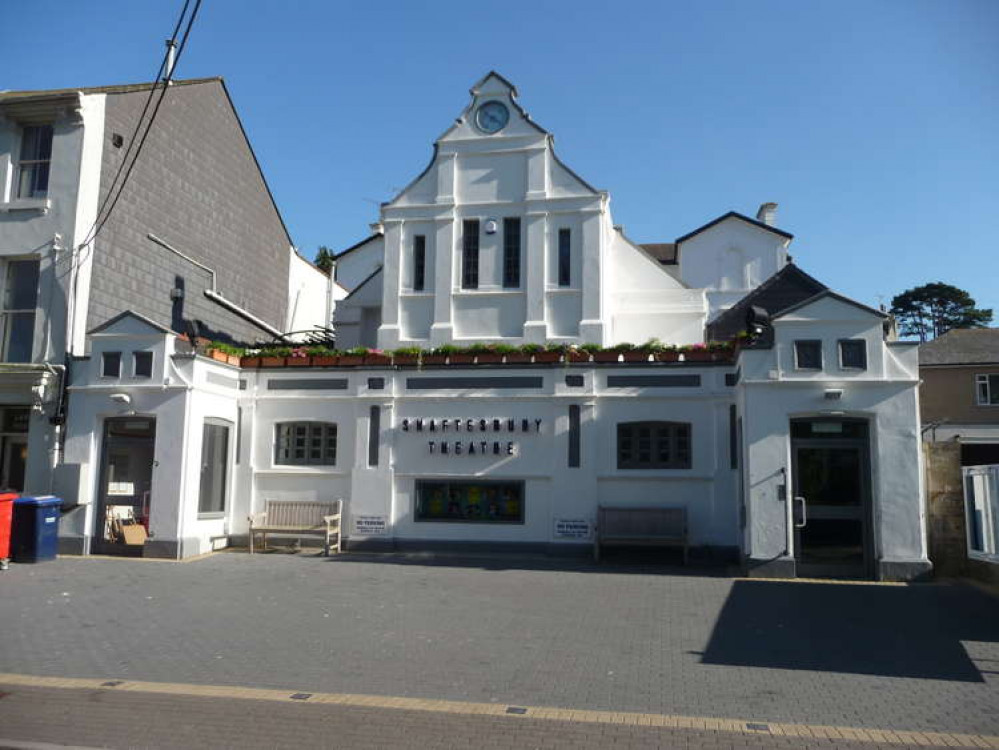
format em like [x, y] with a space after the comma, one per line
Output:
[6, 510]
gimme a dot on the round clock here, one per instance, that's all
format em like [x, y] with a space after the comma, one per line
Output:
[492, 117]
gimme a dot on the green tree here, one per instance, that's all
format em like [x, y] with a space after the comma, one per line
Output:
[324, 260]
[930, 310]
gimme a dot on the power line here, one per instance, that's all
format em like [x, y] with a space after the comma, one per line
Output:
[101, 221]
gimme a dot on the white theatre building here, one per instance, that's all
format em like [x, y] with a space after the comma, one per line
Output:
[799, 455]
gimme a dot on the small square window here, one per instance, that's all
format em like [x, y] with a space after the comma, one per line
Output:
[111, 364]
[808, 355]
[142, 364]
[853, 354]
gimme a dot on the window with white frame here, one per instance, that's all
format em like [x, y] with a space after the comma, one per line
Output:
[20, 297]
[33, 164]
[305, 444]
[987, 387]
[981, 502]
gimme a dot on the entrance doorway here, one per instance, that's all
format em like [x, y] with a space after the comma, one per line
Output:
[13, 447]
[832, 498]
[122, 517]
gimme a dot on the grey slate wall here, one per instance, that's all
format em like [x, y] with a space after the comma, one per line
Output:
[197, 187]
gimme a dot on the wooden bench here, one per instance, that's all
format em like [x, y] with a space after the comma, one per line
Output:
[299, 517]
[641, 526]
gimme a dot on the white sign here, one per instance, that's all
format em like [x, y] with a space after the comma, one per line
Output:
[370, 525]
[572, 528]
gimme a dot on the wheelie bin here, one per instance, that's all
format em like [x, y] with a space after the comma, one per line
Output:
[35, 532]
[6, 510]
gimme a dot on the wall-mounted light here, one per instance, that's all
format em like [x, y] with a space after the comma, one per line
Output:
[121, 398]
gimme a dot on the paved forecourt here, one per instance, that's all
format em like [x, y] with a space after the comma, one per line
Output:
[624, 639]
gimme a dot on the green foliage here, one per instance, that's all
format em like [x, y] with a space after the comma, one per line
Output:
[624, 346]
[407, 351]
[531, 348]
[504, 348]
[480, 348]
[275, 351]
[221, 346]
[556, 347]
[931, 310]
[447, 349]
[321, 351]
[324, 259]
[358, 351]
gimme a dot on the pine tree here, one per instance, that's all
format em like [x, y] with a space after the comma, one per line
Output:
[931, 310]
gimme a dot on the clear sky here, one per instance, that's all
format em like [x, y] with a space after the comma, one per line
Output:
[874, 124]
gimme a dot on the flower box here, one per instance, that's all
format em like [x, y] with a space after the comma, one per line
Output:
[325, 361]
[575, 355]
[698, 355]
[272, 361]
[219, 356]
[667, 356]
[249, 362]
[489, 358]
[548, 357]
[518, 358]
[461, 358]
[406, 360]
[636, 355]
[606, 356]
[434, 359]
[298, 361]
[351, 360]
[377, 359]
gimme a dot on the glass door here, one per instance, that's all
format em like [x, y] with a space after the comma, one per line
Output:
[122, 518]
[831, 498]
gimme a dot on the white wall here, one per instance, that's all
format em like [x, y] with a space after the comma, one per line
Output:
[312, 295]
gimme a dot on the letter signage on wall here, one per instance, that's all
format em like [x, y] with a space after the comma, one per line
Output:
[478, 436]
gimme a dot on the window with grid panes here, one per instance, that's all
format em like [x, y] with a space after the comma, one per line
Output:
[306, 444]
[511, 253]
[653, 445]
[470, 254]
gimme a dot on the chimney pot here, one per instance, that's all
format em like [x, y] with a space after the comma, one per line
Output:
[767, 214]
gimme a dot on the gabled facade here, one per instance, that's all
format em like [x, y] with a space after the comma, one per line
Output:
[195, 242]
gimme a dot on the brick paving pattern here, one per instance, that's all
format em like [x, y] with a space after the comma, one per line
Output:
[629, 638]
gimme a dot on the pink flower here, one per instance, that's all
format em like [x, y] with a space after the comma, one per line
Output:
[299, 352]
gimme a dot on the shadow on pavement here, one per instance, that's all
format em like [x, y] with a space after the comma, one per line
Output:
[892, 631]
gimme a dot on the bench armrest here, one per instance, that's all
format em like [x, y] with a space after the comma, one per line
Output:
[256, 519]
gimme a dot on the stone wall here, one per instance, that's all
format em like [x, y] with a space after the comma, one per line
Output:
[945, 508]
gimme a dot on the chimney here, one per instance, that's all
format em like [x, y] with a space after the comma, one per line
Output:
[171, 46]
[767, 214]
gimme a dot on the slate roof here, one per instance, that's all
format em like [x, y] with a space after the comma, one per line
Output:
[788, 287]
[124, 88]
[962, 346]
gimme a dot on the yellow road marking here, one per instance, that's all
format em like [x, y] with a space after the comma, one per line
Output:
[545, 713]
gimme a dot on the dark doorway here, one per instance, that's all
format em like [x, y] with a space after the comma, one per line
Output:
[13, 447]
[832, 498]
[122, 517]
[979, 454]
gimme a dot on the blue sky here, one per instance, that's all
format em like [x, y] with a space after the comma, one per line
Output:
[874, 125]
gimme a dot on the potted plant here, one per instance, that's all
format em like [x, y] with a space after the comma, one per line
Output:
[669, 353]
[485, 354]
[406, 356]
[273, 356]
[696, 353]
[515, 355]
[613, 353]
[440, 355]
[354, 357]
[551, 354]
[298, 358]
[250, 359]
[322, 356]
[638, 353]
[504, 351]
[581, 353]
[460, 355]
[531, 351]
[227, 353]
[377, 357]
[721, 350]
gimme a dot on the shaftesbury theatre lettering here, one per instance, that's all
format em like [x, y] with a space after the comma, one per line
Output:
[470, 444]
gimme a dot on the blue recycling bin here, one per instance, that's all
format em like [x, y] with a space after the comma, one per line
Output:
[35, 529]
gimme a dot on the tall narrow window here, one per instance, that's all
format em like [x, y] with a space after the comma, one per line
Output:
[17, 318]
[511, 253]
[470, 254]
[564, 257]
[33, 166]
[214, 466]
[419, 262]
[574, 436]
[374, 434]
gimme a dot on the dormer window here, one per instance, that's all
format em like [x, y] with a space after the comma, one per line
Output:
[111, 365]
[142, 364]
[33, 165]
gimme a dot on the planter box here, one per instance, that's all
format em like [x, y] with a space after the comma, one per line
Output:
[377, 359]
[460, 359]
[325, 361]
[636, 355]
[518, 358]
[249, 362]
[667, 356]
[272, 361]
[298, 361]
[218, 356]
[406, 360]
[490, 358]
[351, 360]
[548, 357]
[698, 355]
[434, 359]
[577, 356]
[606, 356]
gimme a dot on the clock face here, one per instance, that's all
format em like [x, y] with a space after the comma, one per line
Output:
[492, 117]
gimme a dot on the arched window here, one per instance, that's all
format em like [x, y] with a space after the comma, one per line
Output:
[653, 445]
[305, 444]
